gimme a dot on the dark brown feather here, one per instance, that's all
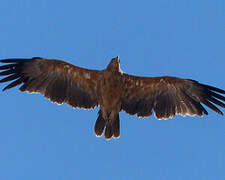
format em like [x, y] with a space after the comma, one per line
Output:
[108, 131]
[10, 78]
[116, 127]
[213, 88]
[213, 107]
[14, 83]
[8, 72]
[168, 96]
[99, 125]
[218, 96]
[219, 103]
[7, 66]
[59, 81]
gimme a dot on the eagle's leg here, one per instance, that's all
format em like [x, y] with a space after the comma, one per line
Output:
[111, 123]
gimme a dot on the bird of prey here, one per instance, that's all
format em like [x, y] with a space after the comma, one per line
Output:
[112, 90]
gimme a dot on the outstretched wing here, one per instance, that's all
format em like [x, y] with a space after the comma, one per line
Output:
[168, 96]
[59, 81]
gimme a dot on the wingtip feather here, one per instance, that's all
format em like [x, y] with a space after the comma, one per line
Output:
[214, 88]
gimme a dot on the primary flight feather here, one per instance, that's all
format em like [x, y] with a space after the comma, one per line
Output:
[112, 90]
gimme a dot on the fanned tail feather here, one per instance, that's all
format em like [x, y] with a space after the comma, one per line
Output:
[99, 125]
[111, 130]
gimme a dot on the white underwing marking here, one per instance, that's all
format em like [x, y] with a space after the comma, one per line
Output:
[172, 116]
[69, 71]
[120, 70]
[162, 81]
[68, 66]
[87, 76]
[31, 92]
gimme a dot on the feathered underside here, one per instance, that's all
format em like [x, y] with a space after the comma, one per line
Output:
[62, 82]
[168, 96]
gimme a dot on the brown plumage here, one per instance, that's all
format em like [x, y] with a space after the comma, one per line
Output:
[112, 90]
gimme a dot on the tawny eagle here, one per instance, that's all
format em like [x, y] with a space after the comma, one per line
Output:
[112, 90]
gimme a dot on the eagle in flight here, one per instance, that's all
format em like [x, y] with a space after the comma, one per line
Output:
[112, 90]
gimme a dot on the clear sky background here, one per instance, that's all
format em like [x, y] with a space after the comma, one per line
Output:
[41, 140]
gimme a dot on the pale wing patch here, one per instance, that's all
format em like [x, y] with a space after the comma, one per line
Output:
[87, 76]
[120, 70]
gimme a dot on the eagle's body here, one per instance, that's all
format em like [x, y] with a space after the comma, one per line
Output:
[112, 90]
[110, 99]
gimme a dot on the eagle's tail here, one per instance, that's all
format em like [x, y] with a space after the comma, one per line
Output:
[111, 130]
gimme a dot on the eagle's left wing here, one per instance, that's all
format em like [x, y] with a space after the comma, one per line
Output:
[57, 80]
[168, 96]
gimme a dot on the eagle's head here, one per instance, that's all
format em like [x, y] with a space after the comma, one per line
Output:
[114, 65]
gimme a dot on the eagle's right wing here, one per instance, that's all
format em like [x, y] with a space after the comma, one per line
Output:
[57, 80]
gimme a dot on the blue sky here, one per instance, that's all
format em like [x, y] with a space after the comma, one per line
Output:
[41, 140]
